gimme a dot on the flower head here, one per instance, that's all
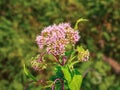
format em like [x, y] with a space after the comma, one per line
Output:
[36, 65]
[55, 38]
[83, 55]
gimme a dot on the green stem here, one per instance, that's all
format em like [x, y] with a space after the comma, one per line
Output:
[73, 63]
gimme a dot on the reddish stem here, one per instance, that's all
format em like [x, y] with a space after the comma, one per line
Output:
[61, 81]
[58, 60]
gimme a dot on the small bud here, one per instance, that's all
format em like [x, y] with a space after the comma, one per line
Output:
[64, 60]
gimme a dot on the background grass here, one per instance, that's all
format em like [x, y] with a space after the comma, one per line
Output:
[22, 20]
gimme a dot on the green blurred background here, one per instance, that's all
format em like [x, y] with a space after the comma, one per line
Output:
[22, 20]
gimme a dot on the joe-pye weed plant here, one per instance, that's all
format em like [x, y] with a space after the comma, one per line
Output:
[60, 42]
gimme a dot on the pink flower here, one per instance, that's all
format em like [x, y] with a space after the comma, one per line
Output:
[55, 38]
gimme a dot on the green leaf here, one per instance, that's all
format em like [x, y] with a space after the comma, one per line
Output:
[67, 73]
[73, 78]
[78, 21]
[106, 36]
[28, 74]
[76, 82]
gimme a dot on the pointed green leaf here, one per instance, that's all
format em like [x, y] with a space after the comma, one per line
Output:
[28, 74]
[76, 82]
[67, 73]
[78, 21]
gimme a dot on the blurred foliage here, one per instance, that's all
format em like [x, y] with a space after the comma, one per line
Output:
[21, 20]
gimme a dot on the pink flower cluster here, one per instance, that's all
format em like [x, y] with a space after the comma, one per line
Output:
[55, 38]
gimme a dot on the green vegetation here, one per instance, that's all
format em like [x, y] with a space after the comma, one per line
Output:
[22, 20]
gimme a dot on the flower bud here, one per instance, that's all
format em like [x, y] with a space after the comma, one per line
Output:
[83, 55]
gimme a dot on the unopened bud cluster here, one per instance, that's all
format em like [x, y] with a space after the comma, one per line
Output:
[83, 56]
[38, 65]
